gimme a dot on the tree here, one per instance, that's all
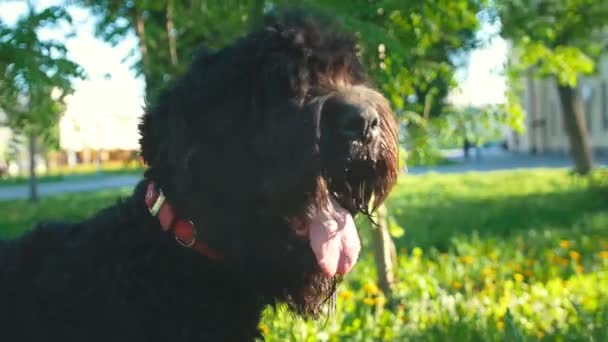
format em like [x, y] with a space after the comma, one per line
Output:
[173, 29]
[412, 48]
[35, 77]
[562, 39]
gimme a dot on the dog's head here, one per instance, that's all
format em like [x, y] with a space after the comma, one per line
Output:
[256, 136]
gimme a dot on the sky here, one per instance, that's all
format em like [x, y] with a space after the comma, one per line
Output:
[482, 82]
[121, 96]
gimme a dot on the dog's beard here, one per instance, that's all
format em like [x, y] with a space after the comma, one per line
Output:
[361, 181]
[314, 297]
[292, 276]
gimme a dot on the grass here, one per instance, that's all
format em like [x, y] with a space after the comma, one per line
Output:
[19, 216]
[497, 256]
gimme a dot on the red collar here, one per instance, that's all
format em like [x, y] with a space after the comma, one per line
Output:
[184, 231]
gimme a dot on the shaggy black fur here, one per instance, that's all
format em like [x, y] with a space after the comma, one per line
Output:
[245, 144]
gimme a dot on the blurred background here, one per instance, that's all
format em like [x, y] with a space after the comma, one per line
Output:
[498, 229]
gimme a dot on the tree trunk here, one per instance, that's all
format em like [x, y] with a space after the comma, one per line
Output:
[171, 34]
[428, 104]
[140, 30]
[576, 128]
[33, 183]
[384, 252]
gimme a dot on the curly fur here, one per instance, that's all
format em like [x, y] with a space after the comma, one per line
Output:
[243, 145]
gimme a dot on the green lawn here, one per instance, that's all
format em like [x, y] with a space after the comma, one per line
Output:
[506, 255]
[18, 216]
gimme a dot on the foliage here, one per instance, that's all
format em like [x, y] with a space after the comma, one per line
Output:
[478, 125]
[412, 47]
[484, 257]
[35, 74]
[169, 32]
[561, 38]
[512, 106]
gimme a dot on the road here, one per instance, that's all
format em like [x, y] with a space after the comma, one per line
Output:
[494, 159]
[102, 182]
[491, 160]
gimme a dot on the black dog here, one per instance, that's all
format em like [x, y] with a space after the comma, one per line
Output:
[244, 149]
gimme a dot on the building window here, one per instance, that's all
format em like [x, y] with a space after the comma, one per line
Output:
[604, 97]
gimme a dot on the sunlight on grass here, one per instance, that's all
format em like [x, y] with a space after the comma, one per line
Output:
[485, 257]
[19, 216]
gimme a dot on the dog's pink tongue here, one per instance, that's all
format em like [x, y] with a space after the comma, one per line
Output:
[334, 240]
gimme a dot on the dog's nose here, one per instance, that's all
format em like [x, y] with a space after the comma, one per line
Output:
[358, 123]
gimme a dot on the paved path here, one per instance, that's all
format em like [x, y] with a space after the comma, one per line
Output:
[495, 159]
[102, 182]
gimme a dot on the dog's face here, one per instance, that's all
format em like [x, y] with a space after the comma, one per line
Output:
[254, 137]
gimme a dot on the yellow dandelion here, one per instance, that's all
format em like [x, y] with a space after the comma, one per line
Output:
[346, 294]
[381, 300]
[457, 285]
[264, 328]
[417, 252]
[490, 286]
[500, 325]
[369, 301]
[467, 259]
[574, 255]
[604, 255]
[561, 261]
[579, 269]
[488, 272]
[564, 244]
[518, 277]
[371, 288]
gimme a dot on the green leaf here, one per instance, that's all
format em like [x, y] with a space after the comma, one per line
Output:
[394, 229]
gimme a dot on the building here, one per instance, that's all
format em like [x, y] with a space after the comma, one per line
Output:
[100, 123]
[545, 131]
